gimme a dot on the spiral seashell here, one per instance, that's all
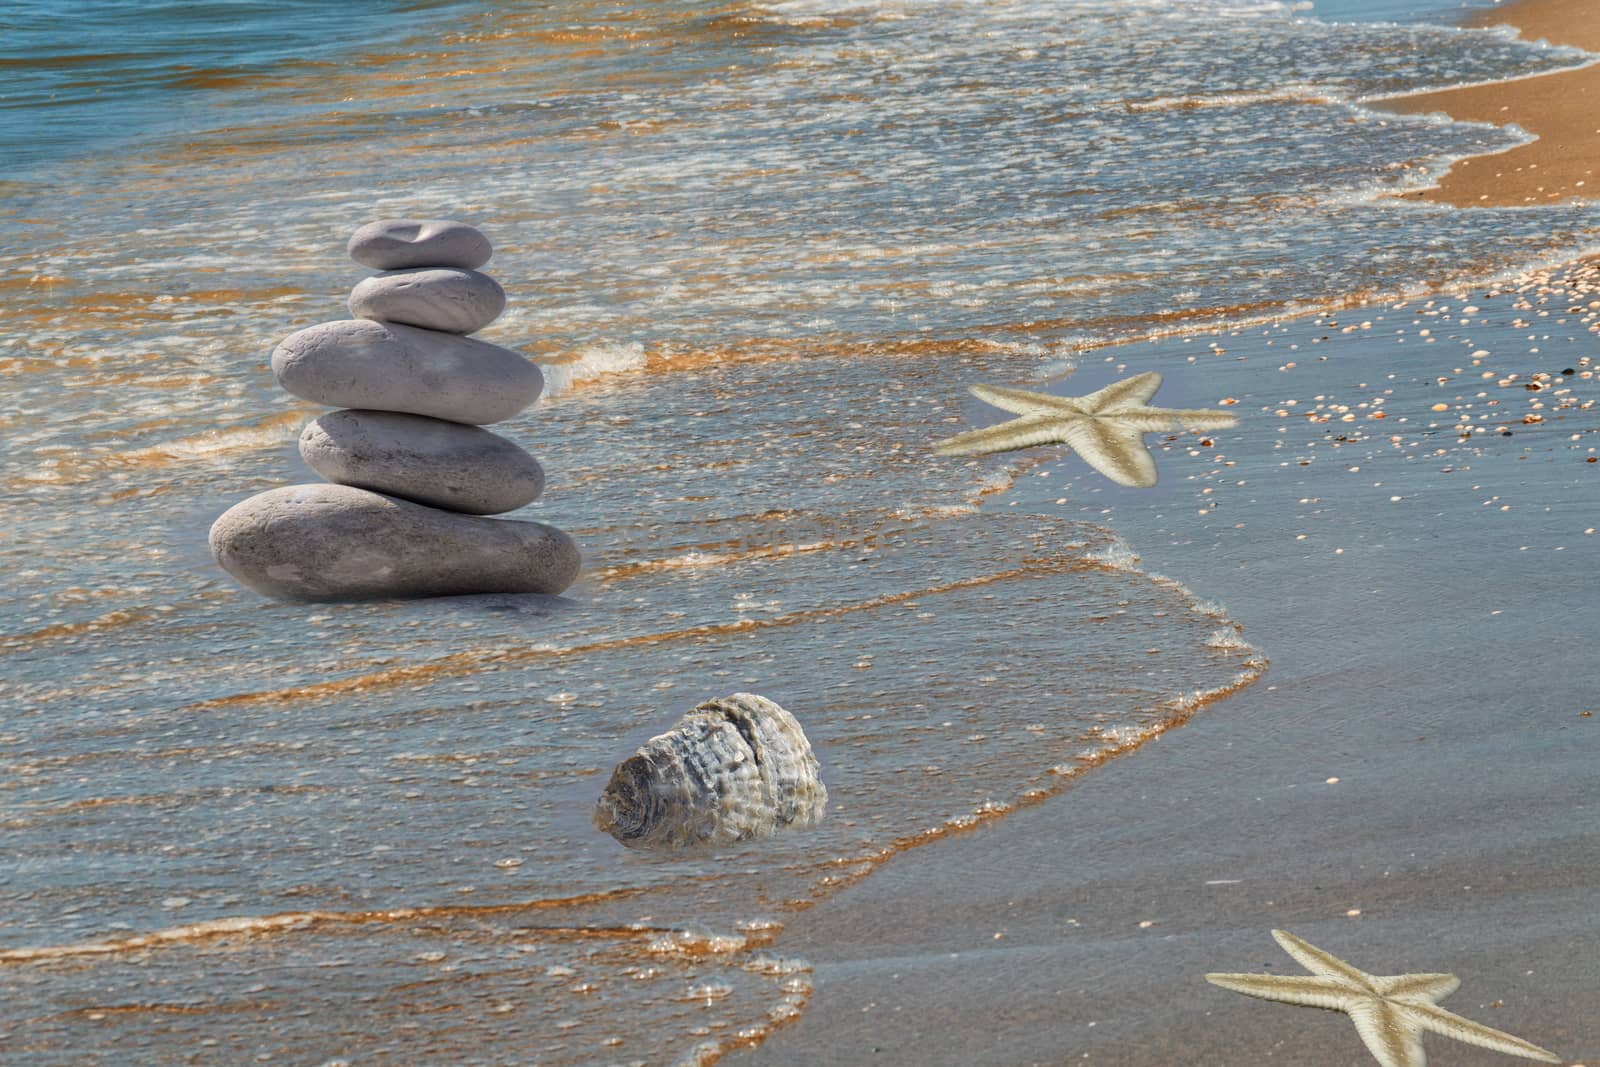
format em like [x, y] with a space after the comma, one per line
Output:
[733, 769]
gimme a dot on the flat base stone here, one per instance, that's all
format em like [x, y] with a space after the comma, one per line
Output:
[336, 542]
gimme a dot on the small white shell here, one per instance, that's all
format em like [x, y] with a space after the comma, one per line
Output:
[732, 769]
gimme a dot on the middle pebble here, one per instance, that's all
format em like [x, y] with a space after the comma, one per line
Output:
[435, 298]
[445, 464]
[358, 363]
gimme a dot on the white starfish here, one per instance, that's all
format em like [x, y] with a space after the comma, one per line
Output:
[1106, 427]
[1390, 1011]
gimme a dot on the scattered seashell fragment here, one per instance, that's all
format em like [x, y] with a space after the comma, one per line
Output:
[733, 769]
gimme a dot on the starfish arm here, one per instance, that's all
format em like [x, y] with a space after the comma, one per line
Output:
[1130, 392]
[1023, 432]
[1392, 1037]
[1317, 961]
[1415, 988]
[1450, 1024]
[1203, 419]
[1310, 990]
[1153, 420]
[1022, 402]
[1115, 452]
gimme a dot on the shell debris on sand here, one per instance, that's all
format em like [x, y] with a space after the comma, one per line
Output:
[733, 769]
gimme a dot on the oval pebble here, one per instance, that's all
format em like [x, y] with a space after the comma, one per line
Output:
[395, 244]
[336, 542]
[359, 363]
[435, 298]
[442, 464]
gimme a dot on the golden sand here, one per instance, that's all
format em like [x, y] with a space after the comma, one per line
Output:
[1562, 110]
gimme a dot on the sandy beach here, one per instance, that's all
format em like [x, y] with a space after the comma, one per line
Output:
[1557, 109]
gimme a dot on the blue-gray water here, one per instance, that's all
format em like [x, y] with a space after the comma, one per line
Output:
[81, 77]
[761, 251]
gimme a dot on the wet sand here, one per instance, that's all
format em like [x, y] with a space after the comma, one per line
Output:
[1560, 110]
[1406, 529]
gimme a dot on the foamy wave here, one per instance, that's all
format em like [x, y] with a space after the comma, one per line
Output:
[110, 620]
[703, 1054]
[804, 10]
[291, 921]
[699, 558]
[245, 925]
[588, 363]
[936, 511]
[689, 943]
[796, 988]
[60, 465]
[1057, 368]
[1292, 94]
[1228, 638]
[1581, 60]
[1117, 554]
[267, 434]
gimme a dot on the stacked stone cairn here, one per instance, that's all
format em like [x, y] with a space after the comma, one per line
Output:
[412, 471]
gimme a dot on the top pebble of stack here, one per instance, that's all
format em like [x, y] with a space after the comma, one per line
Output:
[396, 244]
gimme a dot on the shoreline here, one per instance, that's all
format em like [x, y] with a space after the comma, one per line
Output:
[1556, 109]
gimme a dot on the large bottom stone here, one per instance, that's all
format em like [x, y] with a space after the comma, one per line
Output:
[336, 542]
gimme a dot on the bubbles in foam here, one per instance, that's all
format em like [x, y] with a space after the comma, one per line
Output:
[1116, 554]
[588, 363]
[1227, 637]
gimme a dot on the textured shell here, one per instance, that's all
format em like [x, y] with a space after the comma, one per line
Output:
[732, 769]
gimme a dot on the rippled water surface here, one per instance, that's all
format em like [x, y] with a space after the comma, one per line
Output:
[82, 76]
[760, 250]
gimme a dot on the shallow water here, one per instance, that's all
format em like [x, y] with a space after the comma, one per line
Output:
[761, 251]
[458, 784]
